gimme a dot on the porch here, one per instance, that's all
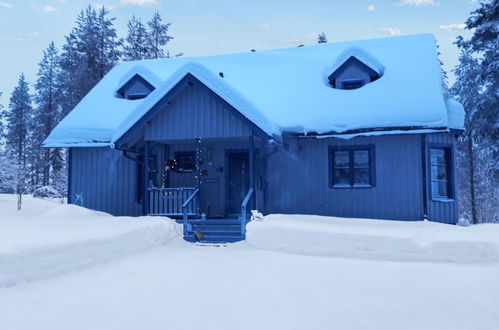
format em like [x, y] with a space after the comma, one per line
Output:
[209, 185]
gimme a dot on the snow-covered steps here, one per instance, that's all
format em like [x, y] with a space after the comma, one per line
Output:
[214, 231]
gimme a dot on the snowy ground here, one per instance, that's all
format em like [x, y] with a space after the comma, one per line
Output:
[345, 277]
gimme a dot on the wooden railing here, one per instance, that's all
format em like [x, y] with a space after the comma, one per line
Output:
[170, 201]
[188, 204]
[244, 215]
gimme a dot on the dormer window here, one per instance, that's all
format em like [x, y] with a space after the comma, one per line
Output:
[352, 83]
[135, 88]
[354, 69]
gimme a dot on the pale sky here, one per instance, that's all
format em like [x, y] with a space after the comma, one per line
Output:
[207, 27]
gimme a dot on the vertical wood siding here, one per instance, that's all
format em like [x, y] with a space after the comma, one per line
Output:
[442, 211]
[106, 180]
[298, 180]
[194, 113]
[352, 69]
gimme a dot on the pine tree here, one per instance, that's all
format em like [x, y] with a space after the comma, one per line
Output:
[157, 36]
[135, 45]
[17, 137]
[322, 38]
[108, 43]
[47, 112]
[18, 120]
[467, 90]
[1, 125]
[483, 108]
[90, 51]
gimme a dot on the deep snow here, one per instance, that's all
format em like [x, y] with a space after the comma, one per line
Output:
[47, 239]
[249, 285]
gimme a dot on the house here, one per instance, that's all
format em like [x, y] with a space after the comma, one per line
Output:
[355, 129]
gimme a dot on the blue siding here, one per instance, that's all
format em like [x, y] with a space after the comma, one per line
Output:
[105, 179]
[442, 211]
[136, 85]
[196, 112]
[298, 179]
[352, 69]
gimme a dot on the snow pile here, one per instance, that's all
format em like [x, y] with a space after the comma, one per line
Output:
[47, 239]
[375, 239]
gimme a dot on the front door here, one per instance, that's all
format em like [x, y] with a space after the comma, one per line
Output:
[237, 181]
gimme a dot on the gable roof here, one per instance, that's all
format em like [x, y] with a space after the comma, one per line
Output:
[284, 90]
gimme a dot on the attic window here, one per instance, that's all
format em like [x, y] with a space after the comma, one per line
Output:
[353, 74]
[352, 84]
[135, 88]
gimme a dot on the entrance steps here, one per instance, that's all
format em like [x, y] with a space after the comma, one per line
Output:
[214, 231]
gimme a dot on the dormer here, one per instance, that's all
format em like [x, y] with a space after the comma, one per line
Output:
[354, 69]
[135, 88]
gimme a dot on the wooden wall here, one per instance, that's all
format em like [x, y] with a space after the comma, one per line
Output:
[196, 112]
[298, 179]
[106, 180]
[439, 210]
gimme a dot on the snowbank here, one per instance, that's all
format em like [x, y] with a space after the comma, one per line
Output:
[47, 238]
[375, 239]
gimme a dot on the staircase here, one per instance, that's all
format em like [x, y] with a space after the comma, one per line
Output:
[214, 231]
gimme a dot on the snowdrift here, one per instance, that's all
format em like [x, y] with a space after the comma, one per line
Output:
[48, 239]
[419, 241]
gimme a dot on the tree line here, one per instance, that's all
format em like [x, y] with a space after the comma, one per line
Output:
[64, 77]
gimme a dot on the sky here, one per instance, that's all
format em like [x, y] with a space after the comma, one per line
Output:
[208, 27]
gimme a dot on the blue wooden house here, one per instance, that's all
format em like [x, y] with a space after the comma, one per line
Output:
[355, 129]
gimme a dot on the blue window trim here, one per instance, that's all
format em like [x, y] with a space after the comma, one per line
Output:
[451, 179]
[372, 164]
[351, 81]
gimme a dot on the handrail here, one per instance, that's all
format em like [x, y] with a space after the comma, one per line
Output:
[170, 189]
[184, 209]
[243, 210]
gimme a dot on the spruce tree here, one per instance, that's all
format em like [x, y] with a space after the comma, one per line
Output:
[322, 38]
[17, 138]
[135, 45]
[482, 119]
[157, 36]
[18, 120]
[47, 112]
[90, 51]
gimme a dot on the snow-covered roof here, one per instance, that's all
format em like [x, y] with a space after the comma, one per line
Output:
[283, 90]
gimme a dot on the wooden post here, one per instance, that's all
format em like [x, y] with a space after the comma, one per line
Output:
[252, 168]
[146, 178]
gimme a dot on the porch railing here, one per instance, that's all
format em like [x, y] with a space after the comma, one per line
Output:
[170, 202]
[186, 206]
[244, 215]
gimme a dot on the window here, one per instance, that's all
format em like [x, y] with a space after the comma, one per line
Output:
[440, 171]
[186, 161]
[352, 166]
[352, 84]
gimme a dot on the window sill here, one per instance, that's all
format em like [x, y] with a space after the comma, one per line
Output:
[443, 200]
[351, 187]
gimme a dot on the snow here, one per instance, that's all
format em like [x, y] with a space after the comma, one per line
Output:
[253, 284]
[280, 90]
[455, 112]
[421, 241]
[50, 239]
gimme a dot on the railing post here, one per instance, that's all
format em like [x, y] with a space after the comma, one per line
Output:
[146, 178]
[252, 166]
